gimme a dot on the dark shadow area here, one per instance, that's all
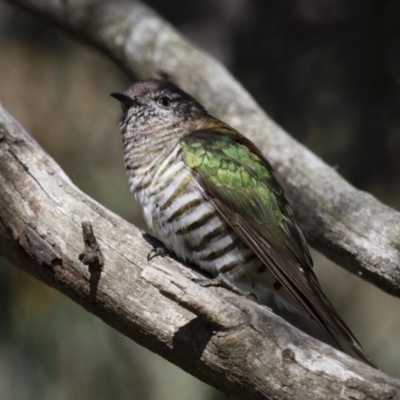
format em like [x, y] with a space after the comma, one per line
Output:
[194, 335]
[94, 283]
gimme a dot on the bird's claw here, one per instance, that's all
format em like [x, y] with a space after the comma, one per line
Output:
[221, 281]
[157, 252]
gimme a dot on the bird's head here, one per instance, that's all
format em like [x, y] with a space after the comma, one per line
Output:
[155, 104]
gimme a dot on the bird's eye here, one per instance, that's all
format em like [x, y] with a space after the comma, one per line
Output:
[165, 101]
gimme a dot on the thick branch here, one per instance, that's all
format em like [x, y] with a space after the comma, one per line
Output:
[229, 342]
[349, 226]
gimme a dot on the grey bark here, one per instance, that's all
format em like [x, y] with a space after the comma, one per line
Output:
[228, 341]
[349, 226]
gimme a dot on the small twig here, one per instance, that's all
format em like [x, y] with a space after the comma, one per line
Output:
[92, 255]
[93, 258]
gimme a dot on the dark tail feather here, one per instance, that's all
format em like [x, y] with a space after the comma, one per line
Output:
[293, 269]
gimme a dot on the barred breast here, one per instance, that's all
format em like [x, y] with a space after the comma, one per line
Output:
[178, 213]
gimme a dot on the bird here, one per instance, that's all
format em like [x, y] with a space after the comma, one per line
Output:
[211, 197]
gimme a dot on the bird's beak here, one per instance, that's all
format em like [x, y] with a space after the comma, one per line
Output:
[125, 100]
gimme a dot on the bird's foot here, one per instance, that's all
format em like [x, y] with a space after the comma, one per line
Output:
[157, 252]
[221, 281]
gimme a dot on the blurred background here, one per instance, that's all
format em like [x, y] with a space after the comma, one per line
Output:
[328, 71]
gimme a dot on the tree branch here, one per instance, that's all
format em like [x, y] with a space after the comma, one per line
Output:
[349, 226]
[227, 341]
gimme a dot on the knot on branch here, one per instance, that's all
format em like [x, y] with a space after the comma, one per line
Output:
[91, 256]
[288, 355]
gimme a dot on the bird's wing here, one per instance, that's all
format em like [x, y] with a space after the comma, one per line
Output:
[240, 182]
